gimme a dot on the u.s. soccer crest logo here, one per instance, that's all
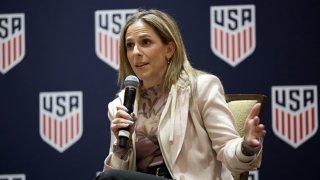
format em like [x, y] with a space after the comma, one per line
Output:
[61, 118]
[233, 32]
[108, 24]
[295, 113]
[12, 40]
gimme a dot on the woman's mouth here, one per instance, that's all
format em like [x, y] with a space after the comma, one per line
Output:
[140, 65]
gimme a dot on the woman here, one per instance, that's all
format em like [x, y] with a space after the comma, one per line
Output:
[181, 127]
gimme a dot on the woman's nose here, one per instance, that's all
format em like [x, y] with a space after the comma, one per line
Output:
[136, 49]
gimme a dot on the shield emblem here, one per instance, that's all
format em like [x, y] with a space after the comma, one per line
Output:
[12, 40]
[233, 32]
[61, 123]
[108, 24]
[294, 113]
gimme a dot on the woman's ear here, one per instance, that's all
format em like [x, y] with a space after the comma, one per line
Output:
[171, 48]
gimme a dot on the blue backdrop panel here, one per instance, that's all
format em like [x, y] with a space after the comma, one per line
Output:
[49, 48]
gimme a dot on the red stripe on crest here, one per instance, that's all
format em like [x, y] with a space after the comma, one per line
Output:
[50, 130]
[307, 122]
[66, 132]
[44, 124]
[250, 37]
[9, 52]
[227, 41]
[221, 41]
[61, 134]
[117, 51]
[72, 127]
[233, 49]
[301, 126]
[239, 45]
[295, 129]
[277, 120]
[215, 38]
[14, 49]
[106, 45]
[20, 45]
[282, 120]
[55, 131]
[3, 56]
[78, 124]
[111, 49]
[289, 125]
[313, 119]
[100, 43]
[244, 41]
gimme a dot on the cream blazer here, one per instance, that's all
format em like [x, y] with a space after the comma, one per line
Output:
[198, 139]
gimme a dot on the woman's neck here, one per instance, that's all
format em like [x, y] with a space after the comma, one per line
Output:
[146, 85]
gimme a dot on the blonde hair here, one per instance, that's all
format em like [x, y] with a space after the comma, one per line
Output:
[166, 28]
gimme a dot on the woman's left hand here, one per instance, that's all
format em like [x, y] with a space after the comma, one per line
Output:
[253, 129]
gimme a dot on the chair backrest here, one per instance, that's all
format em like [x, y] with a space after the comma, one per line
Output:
[240, 106]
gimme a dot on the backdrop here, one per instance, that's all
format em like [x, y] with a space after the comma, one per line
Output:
[58, 71]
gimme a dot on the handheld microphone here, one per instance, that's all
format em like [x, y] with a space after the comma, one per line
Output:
[131, 84]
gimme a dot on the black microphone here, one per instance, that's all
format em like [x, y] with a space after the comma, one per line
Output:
[131, 84]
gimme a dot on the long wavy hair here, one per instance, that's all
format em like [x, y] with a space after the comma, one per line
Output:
[166, 28]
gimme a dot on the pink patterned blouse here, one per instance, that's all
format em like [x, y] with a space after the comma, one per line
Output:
[151, 104]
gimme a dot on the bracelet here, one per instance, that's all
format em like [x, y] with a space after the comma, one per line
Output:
[248, 150]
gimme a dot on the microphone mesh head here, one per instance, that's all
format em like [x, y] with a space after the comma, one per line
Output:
[131, 81]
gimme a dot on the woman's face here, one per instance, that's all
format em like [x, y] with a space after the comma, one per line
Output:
[146, 53]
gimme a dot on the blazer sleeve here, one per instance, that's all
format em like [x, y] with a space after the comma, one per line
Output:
[219, 124]
[112, 161]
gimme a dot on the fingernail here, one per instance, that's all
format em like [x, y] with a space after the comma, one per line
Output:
[126, 110]
[131, 119]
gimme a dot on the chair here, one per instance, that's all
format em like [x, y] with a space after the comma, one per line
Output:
[240, 106]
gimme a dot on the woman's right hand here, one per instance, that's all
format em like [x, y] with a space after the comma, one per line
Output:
[254, 131]
[122, 120]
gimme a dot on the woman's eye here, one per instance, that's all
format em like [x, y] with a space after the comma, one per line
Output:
[129, 45]
[146, 41]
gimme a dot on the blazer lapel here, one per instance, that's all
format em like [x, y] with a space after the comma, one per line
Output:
[178, 120]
